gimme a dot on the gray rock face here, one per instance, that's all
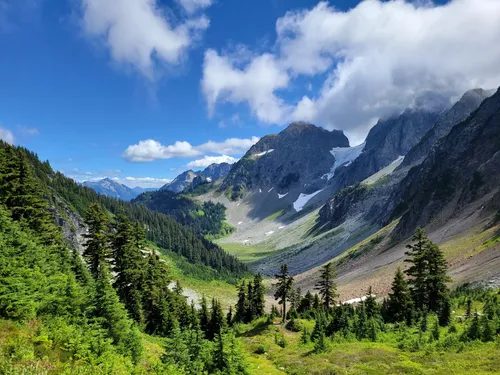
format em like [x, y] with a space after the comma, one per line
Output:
[300, 154]
[464, 166]
[386, 142]
[112, 188]
[191, 179]
[216, 171]
[469, 102]
[181, 182]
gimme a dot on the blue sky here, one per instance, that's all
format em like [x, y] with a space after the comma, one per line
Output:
[107, 87]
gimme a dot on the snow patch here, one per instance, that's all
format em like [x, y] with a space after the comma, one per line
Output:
[246, 241]
[302, 200]
[399, 159]
[264, 153]
[357, 300]
[282, 227]
[240, 222]
[260, 190]
[270, 232]
[282, 195]
[270, 189]
[343, 156]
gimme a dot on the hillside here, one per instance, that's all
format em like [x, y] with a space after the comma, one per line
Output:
[113, 189]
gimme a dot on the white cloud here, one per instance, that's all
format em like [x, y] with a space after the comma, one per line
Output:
[28, 130]
[137, 32]
[377, 58]
[207, 160]
[255, 84]
[191, 6]
[149, 150]
[145, 182]
[6, 136]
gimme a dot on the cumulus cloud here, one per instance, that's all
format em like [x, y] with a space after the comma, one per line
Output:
[149, 150]
[137, 32]
[377, 58]
[254, 84]
[191, 6]
[6, 136]
[146, 182]
[207, 160]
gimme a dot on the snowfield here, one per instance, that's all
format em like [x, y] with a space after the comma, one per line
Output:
[264, 153]
[344, 156]
[302, 200]
[282, 195]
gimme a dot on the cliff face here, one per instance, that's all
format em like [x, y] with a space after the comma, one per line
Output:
[464, 166]
[300, 154]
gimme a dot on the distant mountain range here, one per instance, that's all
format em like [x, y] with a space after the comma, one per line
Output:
[111, 188]
[191, 179]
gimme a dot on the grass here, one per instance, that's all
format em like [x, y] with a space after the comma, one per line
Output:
[276, 215]
[247, 253]
[353, 358]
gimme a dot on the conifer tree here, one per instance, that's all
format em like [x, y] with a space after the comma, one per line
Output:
[306, 303]
[242, 304]
[283, 288]
[371, 306]
[250, 310]
[97, 250]
[217, 320]
[437, 290]
[326, 285]
[399, 302]
[129, 266]
[258, 301]
[204, 316]
[418, 271]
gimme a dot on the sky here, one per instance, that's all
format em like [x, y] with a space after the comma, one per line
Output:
[140, 90]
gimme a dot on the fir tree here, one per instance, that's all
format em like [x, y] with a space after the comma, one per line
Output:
[437, 290]
[326, 285]
[418, 271]
[258, 301]
[204, 316]
[217, 320]
[371, 306]
[96, 250]
[242, 304]
[283, 288]
[399, 302]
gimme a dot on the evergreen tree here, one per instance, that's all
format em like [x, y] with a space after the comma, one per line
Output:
[242, 304]
[250, 310]
[418, 271]
[258, 301]
[96, 250]
[474, 329]
[445, 313]
[217, 320]
[129, 265]
[306, 303]
[437, 290]
[326, 285]
[399, 302]
[283, 288]
[203, 316]
[371, 305]
[229, 316]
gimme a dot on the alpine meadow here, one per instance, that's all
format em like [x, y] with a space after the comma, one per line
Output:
[194, 187]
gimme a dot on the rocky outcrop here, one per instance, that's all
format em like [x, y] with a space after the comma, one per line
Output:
[181, 182]
[463, 167]
[387, 141]
[469, 102]
[216, 171]
[300, 154]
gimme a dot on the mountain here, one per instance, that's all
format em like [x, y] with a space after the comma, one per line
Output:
[216, 171]
[181, 182]
[298, 156]
[469, 102]
[463, 167]
[387, 142]
[139, 190]
[191, 179]
[112, 188]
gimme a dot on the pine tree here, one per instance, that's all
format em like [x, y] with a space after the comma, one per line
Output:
[242, 304]
[326, 285]
[258, 301]
[445, 313]
[229, 316]
[283, 288]
[203, 316]
[437, 290]
[129, 266]
[96, 250]
[399, 302]
[371, 305]
[306, 303]
[217, 320]
[418, 271]
[250, 310]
